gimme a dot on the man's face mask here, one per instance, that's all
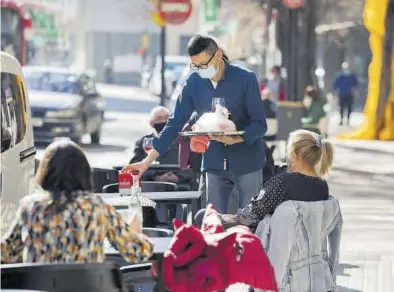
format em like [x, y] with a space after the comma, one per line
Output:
[159, 127]
[208, 73]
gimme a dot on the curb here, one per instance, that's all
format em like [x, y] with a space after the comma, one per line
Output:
[362, 172]
[373, 150]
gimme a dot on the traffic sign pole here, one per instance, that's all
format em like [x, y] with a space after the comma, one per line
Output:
[173, 12]
[163, 94]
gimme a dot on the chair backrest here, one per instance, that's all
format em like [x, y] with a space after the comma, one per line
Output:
[153, 186]
[102, 177]
[138, 277]
[112, 188]
[157, 232]
[272, 127]
[91, 277]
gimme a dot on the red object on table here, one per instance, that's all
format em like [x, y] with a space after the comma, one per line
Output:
[212, 259]
[199, 144]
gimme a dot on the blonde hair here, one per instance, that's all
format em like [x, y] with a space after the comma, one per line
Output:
[313, 149]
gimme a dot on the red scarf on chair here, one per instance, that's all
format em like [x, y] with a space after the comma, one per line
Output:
[212, 259]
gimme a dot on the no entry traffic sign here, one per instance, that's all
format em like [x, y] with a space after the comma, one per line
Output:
[175, 11]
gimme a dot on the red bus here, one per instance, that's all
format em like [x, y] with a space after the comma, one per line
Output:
[20, 26]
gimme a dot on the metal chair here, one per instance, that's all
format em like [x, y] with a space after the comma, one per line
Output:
[111, 188]
[151, 216]
[103, 177]
[155, 186]
[138, 277]
[157, 232]
[91, 277]
[164, 211]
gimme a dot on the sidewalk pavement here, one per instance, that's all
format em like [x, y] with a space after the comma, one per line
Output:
[373, 157]
[357, 118]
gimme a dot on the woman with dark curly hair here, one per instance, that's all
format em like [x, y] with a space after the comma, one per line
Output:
[65, 222]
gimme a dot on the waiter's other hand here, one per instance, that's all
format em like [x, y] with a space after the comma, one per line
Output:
[228, 140]
[141, 166]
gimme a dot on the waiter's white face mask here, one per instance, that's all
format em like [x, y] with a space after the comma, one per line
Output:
[208, 73]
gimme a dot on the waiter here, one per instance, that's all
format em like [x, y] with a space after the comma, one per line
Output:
[230, 160]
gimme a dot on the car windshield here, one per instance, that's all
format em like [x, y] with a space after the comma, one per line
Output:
[51, 81]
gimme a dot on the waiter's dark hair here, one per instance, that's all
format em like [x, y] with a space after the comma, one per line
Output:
[201, 43]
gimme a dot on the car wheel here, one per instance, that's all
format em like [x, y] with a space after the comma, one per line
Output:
[95, 137]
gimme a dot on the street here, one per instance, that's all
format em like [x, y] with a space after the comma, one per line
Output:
[362, 181]
[126, 120]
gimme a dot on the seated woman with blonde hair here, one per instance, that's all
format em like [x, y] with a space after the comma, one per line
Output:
[310, 158]
[65, 222]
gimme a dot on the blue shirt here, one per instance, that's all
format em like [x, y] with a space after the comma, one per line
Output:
[240, 89]
[345, 83]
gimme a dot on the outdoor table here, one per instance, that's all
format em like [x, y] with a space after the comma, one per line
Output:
[156, 166]
[161, 244]
[188, 198]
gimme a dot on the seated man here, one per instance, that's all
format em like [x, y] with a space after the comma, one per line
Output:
[158, 119]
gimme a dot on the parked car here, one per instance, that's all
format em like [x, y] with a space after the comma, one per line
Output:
[178, 87]
[17, 142]
[64, 103]
[173, 70]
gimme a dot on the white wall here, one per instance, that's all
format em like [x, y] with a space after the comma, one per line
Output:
[133, 16]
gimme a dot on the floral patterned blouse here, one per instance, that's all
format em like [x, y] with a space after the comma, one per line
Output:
[75, 234]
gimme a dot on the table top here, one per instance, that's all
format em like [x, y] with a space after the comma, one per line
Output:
[175, 197]
[161, 244]
[155, 166]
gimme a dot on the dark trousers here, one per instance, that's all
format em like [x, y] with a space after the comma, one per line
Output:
[346, 103]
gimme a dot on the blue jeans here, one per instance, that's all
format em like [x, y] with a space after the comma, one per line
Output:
[219, 186]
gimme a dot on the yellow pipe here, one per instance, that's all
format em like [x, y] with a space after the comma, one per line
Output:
[387, 133]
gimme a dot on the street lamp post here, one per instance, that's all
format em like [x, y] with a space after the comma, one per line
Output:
[298, 46]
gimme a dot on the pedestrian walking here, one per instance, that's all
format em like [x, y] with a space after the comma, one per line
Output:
[229, 161]
[344, 85]
[276, 85]
[108, 72]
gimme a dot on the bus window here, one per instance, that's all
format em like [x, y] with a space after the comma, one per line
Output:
[13, 111]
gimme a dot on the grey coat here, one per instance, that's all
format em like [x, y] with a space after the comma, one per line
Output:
[302, 241]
